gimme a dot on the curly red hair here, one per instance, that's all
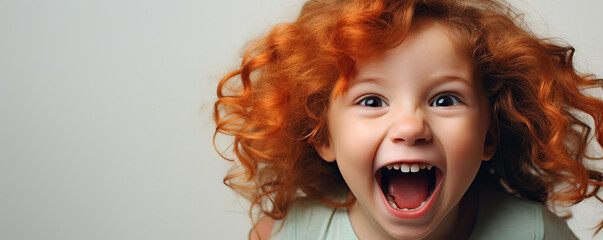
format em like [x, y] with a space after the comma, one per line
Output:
[275, 104]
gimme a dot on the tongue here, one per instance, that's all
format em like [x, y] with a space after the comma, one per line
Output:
[409, 189]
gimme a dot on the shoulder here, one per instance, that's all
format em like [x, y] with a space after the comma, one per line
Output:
[314, 221]
[262, 229]
[555, 227]
[503, 216]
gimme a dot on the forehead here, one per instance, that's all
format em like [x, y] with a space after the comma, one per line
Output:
[428, 50]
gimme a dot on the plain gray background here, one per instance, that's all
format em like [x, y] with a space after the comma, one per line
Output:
[105, 125]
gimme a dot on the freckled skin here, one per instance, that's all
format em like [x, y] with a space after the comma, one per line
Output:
[419, 100]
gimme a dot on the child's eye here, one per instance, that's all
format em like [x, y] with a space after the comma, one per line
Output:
[372, 101]
[445, 100]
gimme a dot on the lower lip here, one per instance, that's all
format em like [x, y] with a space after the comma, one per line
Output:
[418, 212]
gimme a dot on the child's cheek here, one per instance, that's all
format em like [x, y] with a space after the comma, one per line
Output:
[463, 146]
[357, 138]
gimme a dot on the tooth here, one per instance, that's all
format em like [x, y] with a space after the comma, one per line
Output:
[393, 203]
[405, 168]
[422, 204]
[397, 166]
[429, 167]
[389, 167]
[422, 165]
[414, 167]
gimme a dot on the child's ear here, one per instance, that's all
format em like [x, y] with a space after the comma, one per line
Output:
[325, 150]
[491, 141]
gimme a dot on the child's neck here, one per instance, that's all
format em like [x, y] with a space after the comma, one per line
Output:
[466, 215]
[460, 221]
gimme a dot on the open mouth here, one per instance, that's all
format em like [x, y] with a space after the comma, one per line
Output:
[407, 186]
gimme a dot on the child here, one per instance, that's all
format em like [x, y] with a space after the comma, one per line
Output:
[408, 119]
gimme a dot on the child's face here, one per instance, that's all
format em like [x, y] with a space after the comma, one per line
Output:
[419, 103]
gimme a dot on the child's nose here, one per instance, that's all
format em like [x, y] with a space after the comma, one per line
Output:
[410, 129]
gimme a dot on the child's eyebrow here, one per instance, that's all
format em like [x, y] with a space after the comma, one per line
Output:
[454, 78]
[438, 80]
[368, 80]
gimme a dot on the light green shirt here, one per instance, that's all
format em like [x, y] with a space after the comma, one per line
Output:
[500, 216]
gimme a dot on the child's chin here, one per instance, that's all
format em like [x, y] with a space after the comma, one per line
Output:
[411, 232]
